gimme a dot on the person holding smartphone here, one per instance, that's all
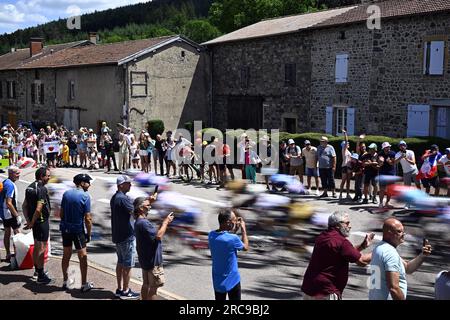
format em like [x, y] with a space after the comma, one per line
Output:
[224, 244]
[149, 246]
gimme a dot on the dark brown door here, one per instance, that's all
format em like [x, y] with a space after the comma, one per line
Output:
[245, 113]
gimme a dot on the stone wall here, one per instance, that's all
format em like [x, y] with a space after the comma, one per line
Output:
[178, 87]
[265, 59]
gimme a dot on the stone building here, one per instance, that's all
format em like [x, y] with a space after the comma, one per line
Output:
[332, 69]
[129, 82]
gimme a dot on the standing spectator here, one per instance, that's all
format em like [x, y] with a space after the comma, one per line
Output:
[284, 162]
[346, 166]
[124, 154]
[75, 226]
[267, 161]
[311, 159]
[386, 160]
[371, 167]
[388, 268]
[150, 149]
[149, 247]
[224, 244]
[159, 150]
[82, 147]
[294, 155]
[36, 209]
[444, 163]
[357, 168]
[407, 160]
[109, 150]
[251, 160]
[327, 272]
[73, 149]
[8, 208]
[327, 166]
[143, 145]
[123, 237]
[65, 154]
[134, 152]
[170, 156]
[428, 171]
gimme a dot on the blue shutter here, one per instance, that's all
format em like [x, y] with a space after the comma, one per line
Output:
[418, 120]
[437, 57]
[329, 121]
[350, 121]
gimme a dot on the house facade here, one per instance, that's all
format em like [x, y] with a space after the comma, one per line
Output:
[129, 83]
[327, 70]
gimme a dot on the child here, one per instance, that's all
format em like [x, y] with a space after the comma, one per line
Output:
[65, 154]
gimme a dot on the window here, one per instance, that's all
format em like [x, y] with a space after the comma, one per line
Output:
[341, 72]
[183, 54]
[341, 119]
[433, 62]
[71, 93]
[11, 89]
[290, 75]
[139, 84]
[290, 125]
[37, 93]
[418, 120]
[245, 75]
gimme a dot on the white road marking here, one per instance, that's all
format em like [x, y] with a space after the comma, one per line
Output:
[216, 203]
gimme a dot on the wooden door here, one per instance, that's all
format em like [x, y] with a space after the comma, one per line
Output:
[245, 113]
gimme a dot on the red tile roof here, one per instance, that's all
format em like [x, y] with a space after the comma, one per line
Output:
[95, 54]
[334, 17]
[14, 60]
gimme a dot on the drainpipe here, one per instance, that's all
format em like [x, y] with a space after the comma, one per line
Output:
[126, 97]
[211, 89]
[56, 117]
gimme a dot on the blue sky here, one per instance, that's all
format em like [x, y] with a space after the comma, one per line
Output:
[19, 14]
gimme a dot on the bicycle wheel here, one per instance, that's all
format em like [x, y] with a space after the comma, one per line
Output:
[186, 173]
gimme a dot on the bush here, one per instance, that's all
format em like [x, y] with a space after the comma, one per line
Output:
[155, 127]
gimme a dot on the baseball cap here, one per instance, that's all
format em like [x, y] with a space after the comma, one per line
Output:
[323, 138]
[447, 150]
[402, 143]
[355, 156]
[373, 146]
[91, 130]
[434, 146]
[307, 142]
[385, 145]
[291, 141]
[82, 177]
[123, 179]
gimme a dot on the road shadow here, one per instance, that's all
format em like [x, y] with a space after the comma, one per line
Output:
[93, 294]
[284, 290]
[41, 288]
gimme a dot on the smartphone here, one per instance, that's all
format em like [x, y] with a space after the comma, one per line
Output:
[424, 242]
[156, 189]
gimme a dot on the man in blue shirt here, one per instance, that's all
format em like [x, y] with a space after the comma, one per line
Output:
[75, 218]
[224, 244]
[388, 278]
[123, 236]
[8, 208]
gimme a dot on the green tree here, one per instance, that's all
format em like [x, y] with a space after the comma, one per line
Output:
[200, 30]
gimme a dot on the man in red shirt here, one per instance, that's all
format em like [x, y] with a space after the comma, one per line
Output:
[327, 272]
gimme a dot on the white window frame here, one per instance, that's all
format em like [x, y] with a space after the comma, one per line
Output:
[341, 119]
[10, 89]
[135, 84]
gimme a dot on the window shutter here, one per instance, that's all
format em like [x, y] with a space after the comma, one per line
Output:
[437, 57]
[418, 121]
[41, 98]
[426, 58]
[14, 89]
[341, 71]
[350, 121]
[33, 93]
[329, 121]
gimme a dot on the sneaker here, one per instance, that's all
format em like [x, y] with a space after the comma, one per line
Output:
[129, 295]
[35, 276]
[334, 195]
[68, 284]
[348, 197]
[359, 200]
[118, 293]
[323, 195]
[87, 287]
[44, 279]
[365, 201]
[374, 201]
[317, 192]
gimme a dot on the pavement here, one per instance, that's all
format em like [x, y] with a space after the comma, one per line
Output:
[19, 284]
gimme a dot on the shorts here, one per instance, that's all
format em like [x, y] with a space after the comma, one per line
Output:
[154, 277]
[370, 179]
[223, 166]
[41, 231]
[312, 172]
[11, 223]
[296, 170]
[125, 252]
[143, 153]
[77, 239]
[410, 177]
[431, 182]
[73, 153]
[345, 170]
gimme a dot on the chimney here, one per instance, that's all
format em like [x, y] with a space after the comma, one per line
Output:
[93, 37]
[36, 46]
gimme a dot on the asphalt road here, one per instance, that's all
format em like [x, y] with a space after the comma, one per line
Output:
[274, 275]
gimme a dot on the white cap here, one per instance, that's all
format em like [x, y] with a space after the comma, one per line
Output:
[291, 141]
[385, 145]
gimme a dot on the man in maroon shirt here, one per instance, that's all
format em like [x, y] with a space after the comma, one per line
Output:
[327, 272]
